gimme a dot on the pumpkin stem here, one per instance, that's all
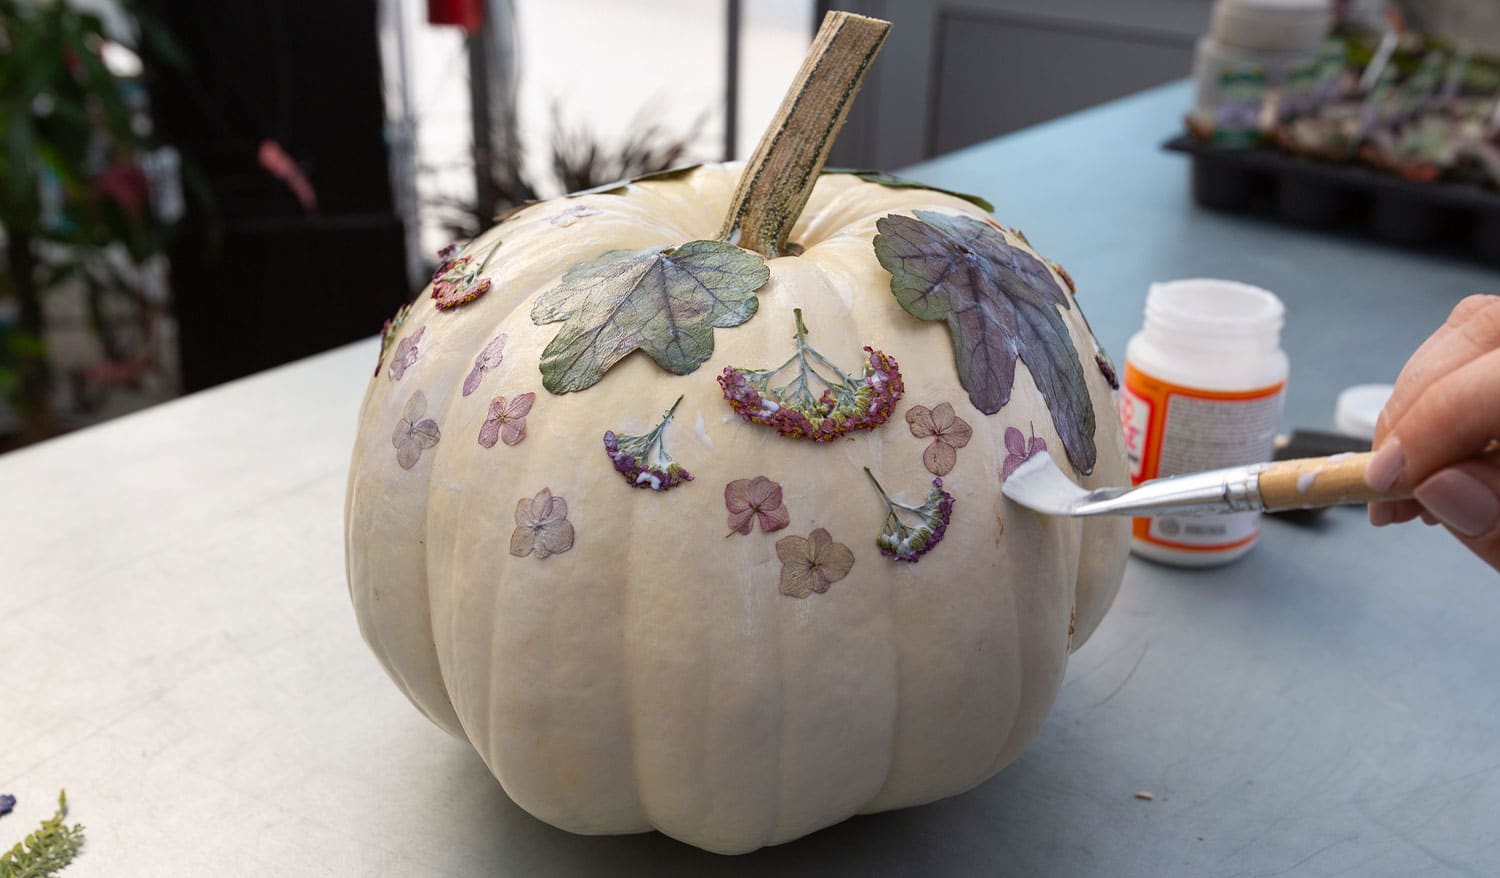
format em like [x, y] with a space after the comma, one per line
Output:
[786, 163]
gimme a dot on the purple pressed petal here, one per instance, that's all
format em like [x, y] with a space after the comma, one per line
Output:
[402, 433]
[489, 433]
[513, 431]
[426, 433]
[763, 493]
[773, 518]
[736, 496]
[1037, 444]
[520, 406]
[471, 383]
[1015, 441]
[493, 353]
[739, 520]
[416, 407]
[1011, 462]
[408, 453]
[523, 513]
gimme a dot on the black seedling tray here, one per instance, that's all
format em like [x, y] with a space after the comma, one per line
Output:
[1453, 217]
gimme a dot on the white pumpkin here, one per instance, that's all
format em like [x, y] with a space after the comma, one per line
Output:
[621, 664]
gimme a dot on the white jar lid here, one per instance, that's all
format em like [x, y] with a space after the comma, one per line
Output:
[1359, 407]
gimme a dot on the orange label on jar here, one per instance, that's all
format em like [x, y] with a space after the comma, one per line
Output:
[1171, 429]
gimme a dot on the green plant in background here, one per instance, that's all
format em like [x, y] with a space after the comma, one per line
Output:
[47, 850]
[75, 199]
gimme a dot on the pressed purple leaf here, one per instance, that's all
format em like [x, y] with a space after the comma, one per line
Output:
[1001, 304]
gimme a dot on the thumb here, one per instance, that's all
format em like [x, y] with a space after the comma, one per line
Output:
[1466, 498]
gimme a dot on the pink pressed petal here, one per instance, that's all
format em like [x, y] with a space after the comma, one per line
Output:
[513, 432]
[520, 407]
[1037, 444]
[523, 513]
[1015, 442]
[835, 561]
[554, 538]
[416, 406]
[942, 417]
[471, 383]
[920, 419]
[1011, 462]
[403, 433]
[739, 521]
[493, 353]
[541, 506]
[939, 458]
[737, 496]
[558, 509]
[819, 541]
[763, 493]
[775, 518]
[489, 434]
[793, 550]
[959, 434]
[522, 539]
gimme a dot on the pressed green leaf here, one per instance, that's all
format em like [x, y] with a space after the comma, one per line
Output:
[894, 182]
[664, 301]
[1001, 304]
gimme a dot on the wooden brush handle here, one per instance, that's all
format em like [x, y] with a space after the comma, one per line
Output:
[1310, 482]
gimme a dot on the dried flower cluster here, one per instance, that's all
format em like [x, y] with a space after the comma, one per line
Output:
[457, 279]
[909, 542]
[643, 461]
[797, 409]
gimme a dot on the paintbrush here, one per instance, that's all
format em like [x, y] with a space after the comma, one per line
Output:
[1305, 483]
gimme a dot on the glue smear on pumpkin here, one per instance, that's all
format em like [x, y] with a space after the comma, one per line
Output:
[797, 409]
[909, 542]
[643, 461]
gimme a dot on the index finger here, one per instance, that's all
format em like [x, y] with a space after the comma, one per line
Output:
[1472, 330]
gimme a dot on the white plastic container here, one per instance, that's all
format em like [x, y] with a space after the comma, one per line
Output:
[1204, 385]
[1272, 25]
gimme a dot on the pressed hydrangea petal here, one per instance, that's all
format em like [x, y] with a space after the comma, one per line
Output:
[520, 406]
[763, 493]
[959, 434]
[1015, 442]
[426, 433]
[513, 432]
[793, 549]
[522, 540]
[836, 560]
[939, 458]
[774, 518]
[408, 453]
[919, 417]
[489, 432]
[554, 538]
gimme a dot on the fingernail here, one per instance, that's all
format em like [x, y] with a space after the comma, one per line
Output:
[1460, 501]
[1385, 466]
[1380, 514]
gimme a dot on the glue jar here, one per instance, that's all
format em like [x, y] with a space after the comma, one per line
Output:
[1204, 384]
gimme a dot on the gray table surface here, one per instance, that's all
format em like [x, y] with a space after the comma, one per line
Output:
[177, 648]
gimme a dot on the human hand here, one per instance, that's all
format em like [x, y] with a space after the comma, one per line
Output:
[1443, 414]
